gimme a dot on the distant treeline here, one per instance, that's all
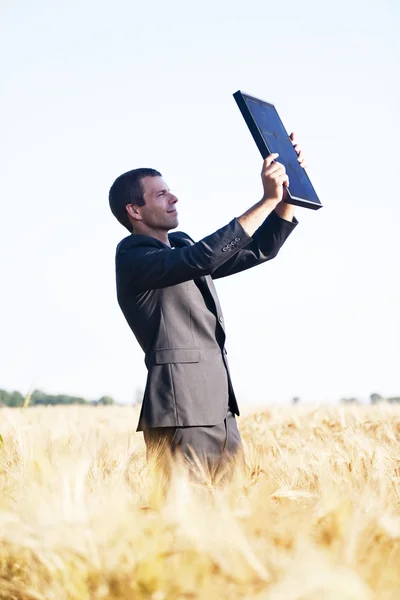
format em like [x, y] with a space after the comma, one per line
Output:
[41, 398]
[374, 399]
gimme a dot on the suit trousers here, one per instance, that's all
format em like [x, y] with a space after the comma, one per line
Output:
[216, 447]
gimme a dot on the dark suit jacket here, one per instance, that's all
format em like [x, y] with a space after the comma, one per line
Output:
[170, 302]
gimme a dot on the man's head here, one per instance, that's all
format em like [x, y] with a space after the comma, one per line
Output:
[142, 202]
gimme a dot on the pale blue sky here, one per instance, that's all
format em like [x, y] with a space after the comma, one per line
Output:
[92, 89]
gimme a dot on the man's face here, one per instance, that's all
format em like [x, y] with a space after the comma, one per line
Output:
[159, 211]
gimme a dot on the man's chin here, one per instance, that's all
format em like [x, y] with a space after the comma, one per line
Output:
[172, 224]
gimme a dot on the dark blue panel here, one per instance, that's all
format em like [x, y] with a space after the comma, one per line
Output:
[277, 139]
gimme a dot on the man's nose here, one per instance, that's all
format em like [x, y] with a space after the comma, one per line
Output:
[173, 199]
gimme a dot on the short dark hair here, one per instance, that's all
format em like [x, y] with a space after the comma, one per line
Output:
[128, 189]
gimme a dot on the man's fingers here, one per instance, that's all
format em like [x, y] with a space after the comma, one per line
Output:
[274, 168]
[270, 159]
[283, 179]
[301, 159]
[279, 175]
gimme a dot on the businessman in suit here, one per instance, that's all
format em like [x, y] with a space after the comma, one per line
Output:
[165, 289]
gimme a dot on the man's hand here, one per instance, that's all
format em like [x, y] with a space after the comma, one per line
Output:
[300, 158]
[274, 180]
[273, 177]
[299, 151]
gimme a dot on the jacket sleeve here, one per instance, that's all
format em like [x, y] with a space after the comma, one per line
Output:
[141, 267]
[265, 245]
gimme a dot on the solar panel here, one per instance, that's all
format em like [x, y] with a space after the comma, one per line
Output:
[271, 136]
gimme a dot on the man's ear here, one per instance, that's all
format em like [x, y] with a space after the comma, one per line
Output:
[134, 212]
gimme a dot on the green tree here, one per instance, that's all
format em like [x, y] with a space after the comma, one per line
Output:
[41, 398]
[105, 401]
[4, 398]
[349, 401]
[11, 398]
[394, 400]
[375, 398]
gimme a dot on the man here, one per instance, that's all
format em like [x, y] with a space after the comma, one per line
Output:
[166, 292]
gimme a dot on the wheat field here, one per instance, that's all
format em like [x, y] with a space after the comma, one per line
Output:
[314, 517]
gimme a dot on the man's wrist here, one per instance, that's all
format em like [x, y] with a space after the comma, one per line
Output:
[268, 201]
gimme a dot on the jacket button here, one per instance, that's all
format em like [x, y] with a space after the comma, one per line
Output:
[237, 239]
[224, 249]
[220, 319]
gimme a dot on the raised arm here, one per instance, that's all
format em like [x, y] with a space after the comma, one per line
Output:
[269, 222]
[265, 245]
[274, 177]
[148, 266]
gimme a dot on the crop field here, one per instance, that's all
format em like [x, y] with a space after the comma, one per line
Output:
[316, 515]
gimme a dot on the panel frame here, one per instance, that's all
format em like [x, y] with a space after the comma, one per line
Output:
[262, 145]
